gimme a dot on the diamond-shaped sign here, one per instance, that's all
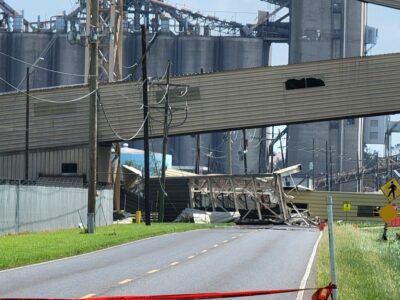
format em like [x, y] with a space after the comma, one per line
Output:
[388, 213]
[391, 189]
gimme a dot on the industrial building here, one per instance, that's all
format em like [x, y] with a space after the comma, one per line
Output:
[194, 43]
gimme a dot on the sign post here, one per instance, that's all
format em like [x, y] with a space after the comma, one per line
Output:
[388, 213]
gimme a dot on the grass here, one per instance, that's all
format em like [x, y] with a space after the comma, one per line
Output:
[367, 267]
[24, 249]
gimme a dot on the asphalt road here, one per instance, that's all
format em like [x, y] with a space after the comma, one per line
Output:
[216, 260]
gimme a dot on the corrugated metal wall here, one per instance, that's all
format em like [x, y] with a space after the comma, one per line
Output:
[37, 208]
[48, 162]
[227, 100]
[12, 165]
[317, 203]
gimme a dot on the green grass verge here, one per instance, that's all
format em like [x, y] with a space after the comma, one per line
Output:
[367, 267]
[24, 249]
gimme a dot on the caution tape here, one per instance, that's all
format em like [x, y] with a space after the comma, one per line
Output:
[320, 294]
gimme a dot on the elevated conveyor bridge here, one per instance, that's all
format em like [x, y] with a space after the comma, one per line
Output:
[248, 98]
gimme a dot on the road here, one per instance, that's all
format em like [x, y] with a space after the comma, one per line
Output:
[215, 260]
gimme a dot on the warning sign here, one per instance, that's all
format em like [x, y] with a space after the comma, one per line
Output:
[388, 213]
[347, 206]
[391, 189]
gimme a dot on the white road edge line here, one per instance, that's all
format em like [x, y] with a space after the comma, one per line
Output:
[87, 296]
[174, 263]
[153, 271]
[303, 282]
[125, 281]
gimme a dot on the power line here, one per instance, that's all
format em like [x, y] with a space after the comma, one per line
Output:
[42, 68]
[47, 100]
[114, 131]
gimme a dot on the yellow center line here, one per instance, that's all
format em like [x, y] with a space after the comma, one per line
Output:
[174, 263]
[204, 251]
[125, 281]
[87, 296]
[153, 271]
[191, 256]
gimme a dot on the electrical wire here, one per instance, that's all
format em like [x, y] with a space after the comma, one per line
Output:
[47, 100]
[184, 120]
[114, 131]
[42, 68]
[149, 45]
[115, 89]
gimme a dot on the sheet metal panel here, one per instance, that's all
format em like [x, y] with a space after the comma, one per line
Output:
[388, 3]
[46, 162]
[217, 101]
[38, 208]
[49, 126]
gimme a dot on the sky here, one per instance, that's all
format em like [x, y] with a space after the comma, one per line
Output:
[244, 11]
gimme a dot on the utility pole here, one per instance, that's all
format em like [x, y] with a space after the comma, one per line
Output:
[229, 151]
[93, 83]
[358, 173]
[164, 149]
[209, 160]
[197, 163]
[197, 166]
[271, 153]
[245, 151]
[27, 127]
[330, 168]
[326, 168]
[146, 130]
[377, 173]
[313, 163]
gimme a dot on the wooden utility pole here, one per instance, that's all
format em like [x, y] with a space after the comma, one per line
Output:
[245, 151]
[164, 148]
[229, 151]
[313, 163]
[146, 131]
[27, 127]
[197, 163]
[93, 84]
